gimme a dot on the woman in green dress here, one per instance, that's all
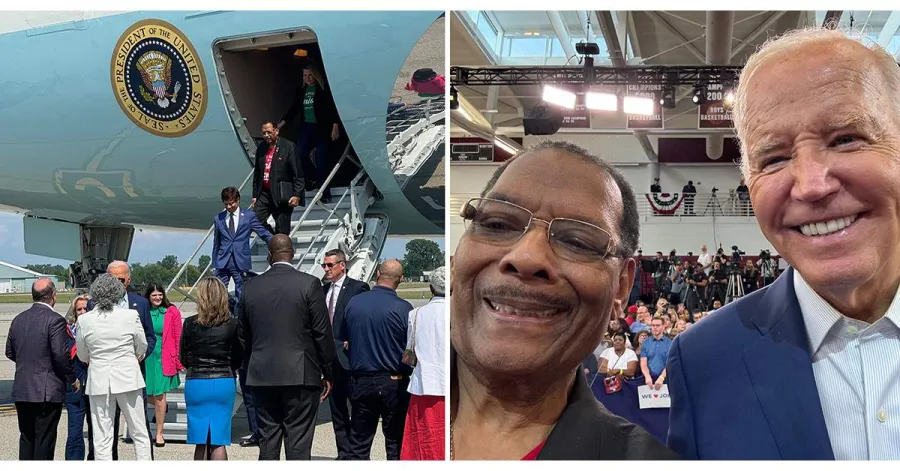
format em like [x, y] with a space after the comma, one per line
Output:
[163, 365]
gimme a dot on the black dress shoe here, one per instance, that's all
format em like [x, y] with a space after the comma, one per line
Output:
[247, 442]
[159, 445]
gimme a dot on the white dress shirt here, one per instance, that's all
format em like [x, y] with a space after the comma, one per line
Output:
[705, 259]
[431, 337]
[237, 219]
[856, 366]
[335, 289]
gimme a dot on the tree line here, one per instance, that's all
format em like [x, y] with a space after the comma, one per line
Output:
[422, 255]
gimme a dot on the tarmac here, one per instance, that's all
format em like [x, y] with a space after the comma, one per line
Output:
[324, 446]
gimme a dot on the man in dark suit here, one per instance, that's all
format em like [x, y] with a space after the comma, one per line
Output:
[36, 343]
[122, 272]
[376, 330]
[288, 351]
[231, 240]
[339, 289]
[277, 181]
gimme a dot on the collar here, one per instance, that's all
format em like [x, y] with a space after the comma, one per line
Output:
[820, 317]
[383, 288]
[340, 282]
[45, 304]
[282, 263]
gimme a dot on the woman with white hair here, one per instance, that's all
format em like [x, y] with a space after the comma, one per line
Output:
[111, 341]
[423, 436]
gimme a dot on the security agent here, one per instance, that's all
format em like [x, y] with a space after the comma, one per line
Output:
[375, 329]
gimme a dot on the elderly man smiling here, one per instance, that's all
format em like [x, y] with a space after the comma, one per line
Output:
[543, 264]
[807, 367]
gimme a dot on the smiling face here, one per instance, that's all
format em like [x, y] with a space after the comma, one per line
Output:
[823, 151]
[520, 309]
[156, 298]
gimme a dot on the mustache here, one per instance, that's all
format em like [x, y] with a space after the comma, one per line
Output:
[533, 296]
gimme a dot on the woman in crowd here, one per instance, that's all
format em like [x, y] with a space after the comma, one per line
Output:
[211, 352]
[423, 435]
[77, 406]
[618, 359]
[111, 341]
[162, 365]
[318, 124]
[618, 326]
[641, 337]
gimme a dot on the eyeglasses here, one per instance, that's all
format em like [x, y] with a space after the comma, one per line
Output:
[503, 223]
[329, 265]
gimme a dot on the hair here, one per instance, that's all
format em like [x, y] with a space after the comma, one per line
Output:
[629, 222]
[119, 263]
[317, 76]
[338, 254]
[106, 291]
[269, 122]
[71, 316]
[157, 287]
[230, 194]
[438, 281]
[212, 302]
[618, 334]
[794, 41]
[281, 249]
[44, 295]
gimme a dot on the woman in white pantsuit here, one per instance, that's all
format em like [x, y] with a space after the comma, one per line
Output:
[111, 341]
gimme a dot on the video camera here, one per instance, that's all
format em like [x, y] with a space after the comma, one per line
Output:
[714, 190]
[765, 255]
[734, 264]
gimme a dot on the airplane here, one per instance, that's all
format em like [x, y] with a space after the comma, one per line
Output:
[113, 120]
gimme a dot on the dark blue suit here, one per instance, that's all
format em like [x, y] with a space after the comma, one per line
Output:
[742, 383]
[231, 251]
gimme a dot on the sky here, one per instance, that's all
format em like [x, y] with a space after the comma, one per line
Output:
[149, 246]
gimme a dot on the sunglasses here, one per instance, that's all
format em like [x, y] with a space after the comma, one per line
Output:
[330, 265]
[503, 223]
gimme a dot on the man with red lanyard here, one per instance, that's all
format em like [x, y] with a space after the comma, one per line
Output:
[277, 181]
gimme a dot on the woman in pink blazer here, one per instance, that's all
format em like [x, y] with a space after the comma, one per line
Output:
[163, 365]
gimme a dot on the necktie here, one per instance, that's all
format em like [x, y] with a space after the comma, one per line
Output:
[231, 224]
[334, 290]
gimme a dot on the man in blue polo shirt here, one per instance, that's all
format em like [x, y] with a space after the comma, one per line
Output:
[374, 332]
[654, 353]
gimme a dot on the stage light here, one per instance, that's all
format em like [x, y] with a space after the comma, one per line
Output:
[699, 97]
[728, 97]
[668, 98]
[559, 97]
[638, 105]
[454, 98]
[601, 101]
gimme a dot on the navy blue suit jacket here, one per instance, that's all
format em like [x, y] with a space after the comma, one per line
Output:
[225, 244]
[142, 306]
[742, 384]
[36, 342]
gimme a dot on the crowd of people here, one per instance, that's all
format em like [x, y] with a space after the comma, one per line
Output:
[293, 342]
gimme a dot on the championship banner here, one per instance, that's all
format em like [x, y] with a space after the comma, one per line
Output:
[664, 203]
[654, 121]
[713, 114]
[580, 117]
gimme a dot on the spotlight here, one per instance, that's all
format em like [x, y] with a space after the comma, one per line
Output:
[668, 98]
[601, 101]
[728, 97]
[559, 97]
[454, 98]
[638, 105]
[587, 49]
[699, 97]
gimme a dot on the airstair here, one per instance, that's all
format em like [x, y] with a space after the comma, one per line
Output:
[315, 229]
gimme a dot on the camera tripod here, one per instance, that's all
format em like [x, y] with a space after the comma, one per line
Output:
[735, 287]
[701, 302]
[714, 205]
[767, 270]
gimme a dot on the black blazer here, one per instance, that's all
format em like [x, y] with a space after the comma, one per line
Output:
[285, 176]
[210, 352]
[349, 289]
[284, 329]
[587, 430]
[36, 343]
[323, 108]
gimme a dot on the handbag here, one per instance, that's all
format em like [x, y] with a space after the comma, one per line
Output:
[613, 384]
[409, 355]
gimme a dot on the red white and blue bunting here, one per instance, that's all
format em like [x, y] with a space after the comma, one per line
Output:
[665, 203]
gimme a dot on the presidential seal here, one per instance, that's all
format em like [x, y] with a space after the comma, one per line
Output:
[158, 79]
